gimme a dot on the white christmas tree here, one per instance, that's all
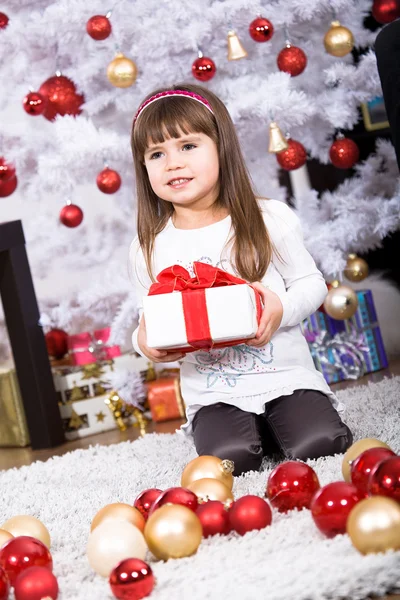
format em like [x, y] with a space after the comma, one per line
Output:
[80, 274]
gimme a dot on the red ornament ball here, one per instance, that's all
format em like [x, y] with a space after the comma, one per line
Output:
[331, 505]
[214, 518]
[386, 11]
[132, 579]
[145, 501]
[34, 104]
[261, 30]
[71, 215]
[61, 97]
[293, 157]
[176, 495]
[292, 60]
[3, 20]
[4, 585]
[344, 153]
[8, 187]
[22, 552]
[292, 484]
[36, 583]
[7, 170]
[384, 479]
[98, 27]
[108, 181]
[248, 513]
[204, 68]
[362, 466]
[57, 343]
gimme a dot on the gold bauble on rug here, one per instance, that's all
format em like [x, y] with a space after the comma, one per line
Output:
[356, 268]
[5, 536]
[210, 467]
[173, 531]
[122, 71]
[339, 40]
[341, 302]
[210, 489]
[27, 525]
[374, 525]
[121, 512]
[113, 541]
[354, 452]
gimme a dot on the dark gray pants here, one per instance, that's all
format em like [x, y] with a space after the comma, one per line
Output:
[300, 426]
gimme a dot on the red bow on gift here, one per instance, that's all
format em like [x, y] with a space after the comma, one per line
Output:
[178, 279]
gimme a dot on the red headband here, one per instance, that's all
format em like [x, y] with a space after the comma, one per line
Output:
[169, 93]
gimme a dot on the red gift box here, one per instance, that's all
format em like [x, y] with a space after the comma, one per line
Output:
[85, 348]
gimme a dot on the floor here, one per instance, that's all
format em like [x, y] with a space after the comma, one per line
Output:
[17, 457]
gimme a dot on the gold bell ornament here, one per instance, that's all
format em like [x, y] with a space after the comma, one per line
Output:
[341, 302]
[235, 49]
[277, 141]
[354, 452]
[339, 40]
[356, 268]
[208, 467]
[122, 71]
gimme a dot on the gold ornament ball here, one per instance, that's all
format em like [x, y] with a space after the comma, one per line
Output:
[374, 525]
[121, 512]
[341, 302]
[354, 452]
[339, 40]
[122, 71]
[113, 541]
[210, 489]
[5, 536]
[27, 525]
[356, 268]
[173, 531]
[208, 467]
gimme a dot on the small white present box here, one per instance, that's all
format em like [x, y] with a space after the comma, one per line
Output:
[202, 318]
[86, 417]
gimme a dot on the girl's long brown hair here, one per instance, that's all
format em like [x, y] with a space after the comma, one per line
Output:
[252, 248]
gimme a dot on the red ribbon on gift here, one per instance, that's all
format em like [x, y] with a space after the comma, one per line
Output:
[178, 279]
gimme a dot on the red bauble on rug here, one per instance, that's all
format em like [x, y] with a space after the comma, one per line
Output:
[57, 343]
[98, 27]
[293, 157]
[71, 215]
[108, 181]
[61, 97]
[214, 518]
[4, 585]
[261, 30]
[145, 501]
[36, 583]
[384, 479]
[386, 11]
[363, 465]
[22, 552]
[292, 60]
[204, 68]
[176, 495]
[248, 513]
[344, 153]
[132, 579]
[291, 485]
[331, 505]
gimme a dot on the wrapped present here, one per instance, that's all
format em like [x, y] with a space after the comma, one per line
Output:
[87, 347]
[13, 427]
[75, 383]
[346, 349]
[86, 417]
[210, 310]
[165, 399]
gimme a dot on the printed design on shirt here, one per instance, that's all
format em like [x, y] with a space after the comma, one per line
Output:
[223, 264]
[229, 364]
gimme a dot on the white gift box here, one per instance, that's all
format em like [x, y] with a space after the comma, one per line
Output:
[87, 417]
[231, 310]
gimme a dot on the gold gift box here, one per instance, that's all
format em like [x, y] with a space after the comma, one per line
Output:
[13, 427]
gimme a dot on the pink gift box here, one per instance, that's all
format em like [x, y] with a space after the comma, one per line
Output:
[86, 348]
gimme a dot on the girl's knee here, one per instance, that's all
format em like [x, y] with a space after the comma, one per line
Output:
[326, 445]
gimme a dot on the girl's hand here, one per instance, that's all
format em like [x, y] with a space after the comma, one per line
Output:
[271, 317]
[152, 354]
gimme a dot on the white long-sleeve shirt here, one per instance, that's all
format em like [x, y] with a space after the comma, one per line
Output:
[245, 376]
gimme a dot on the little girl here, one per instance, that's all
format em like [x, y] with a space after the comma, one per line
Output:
[196, 203]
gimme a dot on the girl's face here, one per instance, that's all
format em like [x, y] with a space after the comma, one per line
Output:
[184, 170]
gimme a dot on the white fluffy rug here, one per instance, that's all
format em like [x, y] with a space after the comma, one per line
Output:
[290, 560]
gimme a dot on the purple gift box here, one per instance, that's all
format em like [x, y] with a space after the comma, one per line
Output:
[346, 349]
